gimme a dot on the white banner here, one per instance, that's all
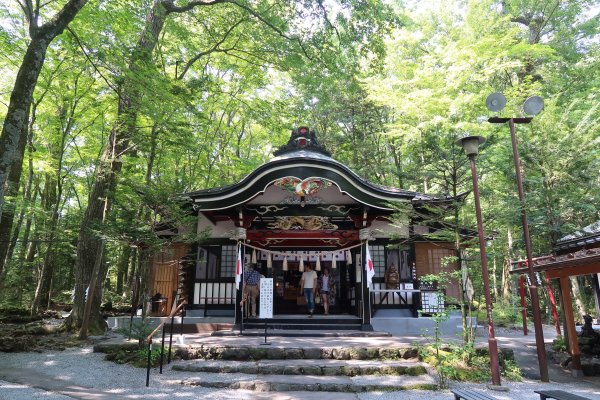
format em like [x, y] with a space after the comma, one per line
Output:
[266, 298]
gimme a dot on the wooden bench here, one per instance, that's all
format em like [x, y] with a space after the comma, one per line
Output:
[558, 395]
[470, 395]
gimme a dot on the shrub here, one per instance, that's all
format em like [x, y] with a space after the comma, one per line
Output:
[465, 363]
[138, 330]
[559, 344]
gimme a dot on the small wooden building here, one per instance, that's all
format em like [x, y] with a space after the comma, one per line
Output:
[305, 207]
[574, 255]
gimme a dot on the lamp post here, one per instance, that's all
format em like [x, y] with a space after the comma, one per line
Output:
[470, 144]
[532, 106]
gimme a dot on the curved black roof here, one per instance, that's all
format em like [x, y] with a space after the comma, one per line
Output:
[303, 164]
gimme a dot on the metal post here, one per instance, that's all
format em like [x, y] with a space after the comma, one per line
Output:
[162, 348]
[265, 343]
[492, 344]
[171, 338]
[149, 361]
[535, 302]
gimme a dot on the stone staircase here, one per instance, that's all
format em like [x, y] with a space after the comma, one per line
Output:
[302, 322]
[309, 369]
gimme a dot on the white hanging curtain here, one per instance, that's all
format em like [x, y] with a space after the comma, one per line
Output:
[301, 267]
[285, 266]
[348, 257]
[333, 263]
[253, 257]
[269, 261]
[318, 266]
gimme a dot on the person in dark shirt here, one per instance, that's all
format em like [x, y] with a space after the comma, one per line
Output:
[251, 281]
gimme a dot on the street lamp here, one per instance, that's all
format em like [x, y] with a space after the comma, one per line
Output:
[470, 144]
[532, 106]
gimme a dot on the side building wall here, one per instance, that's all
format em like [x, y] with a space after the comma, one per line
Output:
[164, 277]
[430, 259]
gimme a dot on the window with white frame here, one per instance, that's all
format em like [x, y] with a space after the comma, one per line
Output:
[378, 256]
[228, 260]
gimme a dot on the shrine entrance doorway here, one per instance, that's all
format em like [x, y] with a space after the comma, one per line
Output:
[288, 298]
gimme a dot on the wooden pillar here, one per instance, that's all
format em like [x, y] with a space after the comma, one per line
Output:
[563, 319]
[358, 284]
[553, 305]
[570, 325]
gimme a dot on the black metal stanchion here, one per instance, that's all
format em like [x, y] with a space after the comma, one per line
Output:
[265, 343]
[242, 322]
[162, 348]
[171, 338]
[149, 361]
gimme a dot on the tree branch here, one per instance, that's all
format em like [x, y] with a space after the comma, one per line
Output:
[172, 8]
[214, 48]
[59, 22]
[82, 47]
[273, 27]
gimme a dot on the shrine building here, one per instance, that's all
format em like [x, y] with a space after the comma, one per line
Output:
[305, 208]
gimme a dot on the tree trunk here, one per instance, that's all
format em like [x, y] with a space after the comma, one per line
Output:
[26, 244]
[132, 271]
[51, 203]
[12, 190]
[17, 114]
[507, 265]
[123, 267]
[581, 308]
[28, 196]
[102, 192]
[89, 239]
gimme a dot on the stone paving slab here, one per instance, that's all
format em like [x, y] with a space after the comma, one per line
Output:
[311, 383]
[306, 367]
[275, 333]
[300, 395]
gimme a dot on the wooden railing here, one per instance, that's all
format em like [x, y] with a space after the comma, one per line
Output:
[162, 347]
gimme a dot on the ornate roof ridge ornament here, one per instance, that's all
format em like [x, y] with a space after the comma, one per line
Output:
[302, 139]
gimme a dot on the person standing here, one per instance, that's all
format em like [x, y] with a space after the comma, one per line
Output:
[326, 289]
[251, 288]
[308, 284]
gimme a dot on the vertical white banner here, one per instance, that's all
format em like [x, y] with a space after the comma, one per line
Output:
[266, 298]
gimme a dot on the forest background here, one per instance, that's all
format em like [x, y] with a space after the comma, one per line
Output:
[112, 109]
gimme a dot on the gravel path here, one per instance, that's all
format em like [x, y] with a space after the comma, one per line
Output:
[81, 374]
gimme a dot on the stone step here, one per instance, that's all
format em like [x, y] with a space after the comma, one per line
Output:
[306, 367]
[299, 333]
[312, 383]
[258, 352]
[303, 326]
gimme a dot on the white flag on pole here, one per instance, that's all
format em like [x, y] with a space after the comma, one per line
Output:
[369, 266]
[238, 269]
